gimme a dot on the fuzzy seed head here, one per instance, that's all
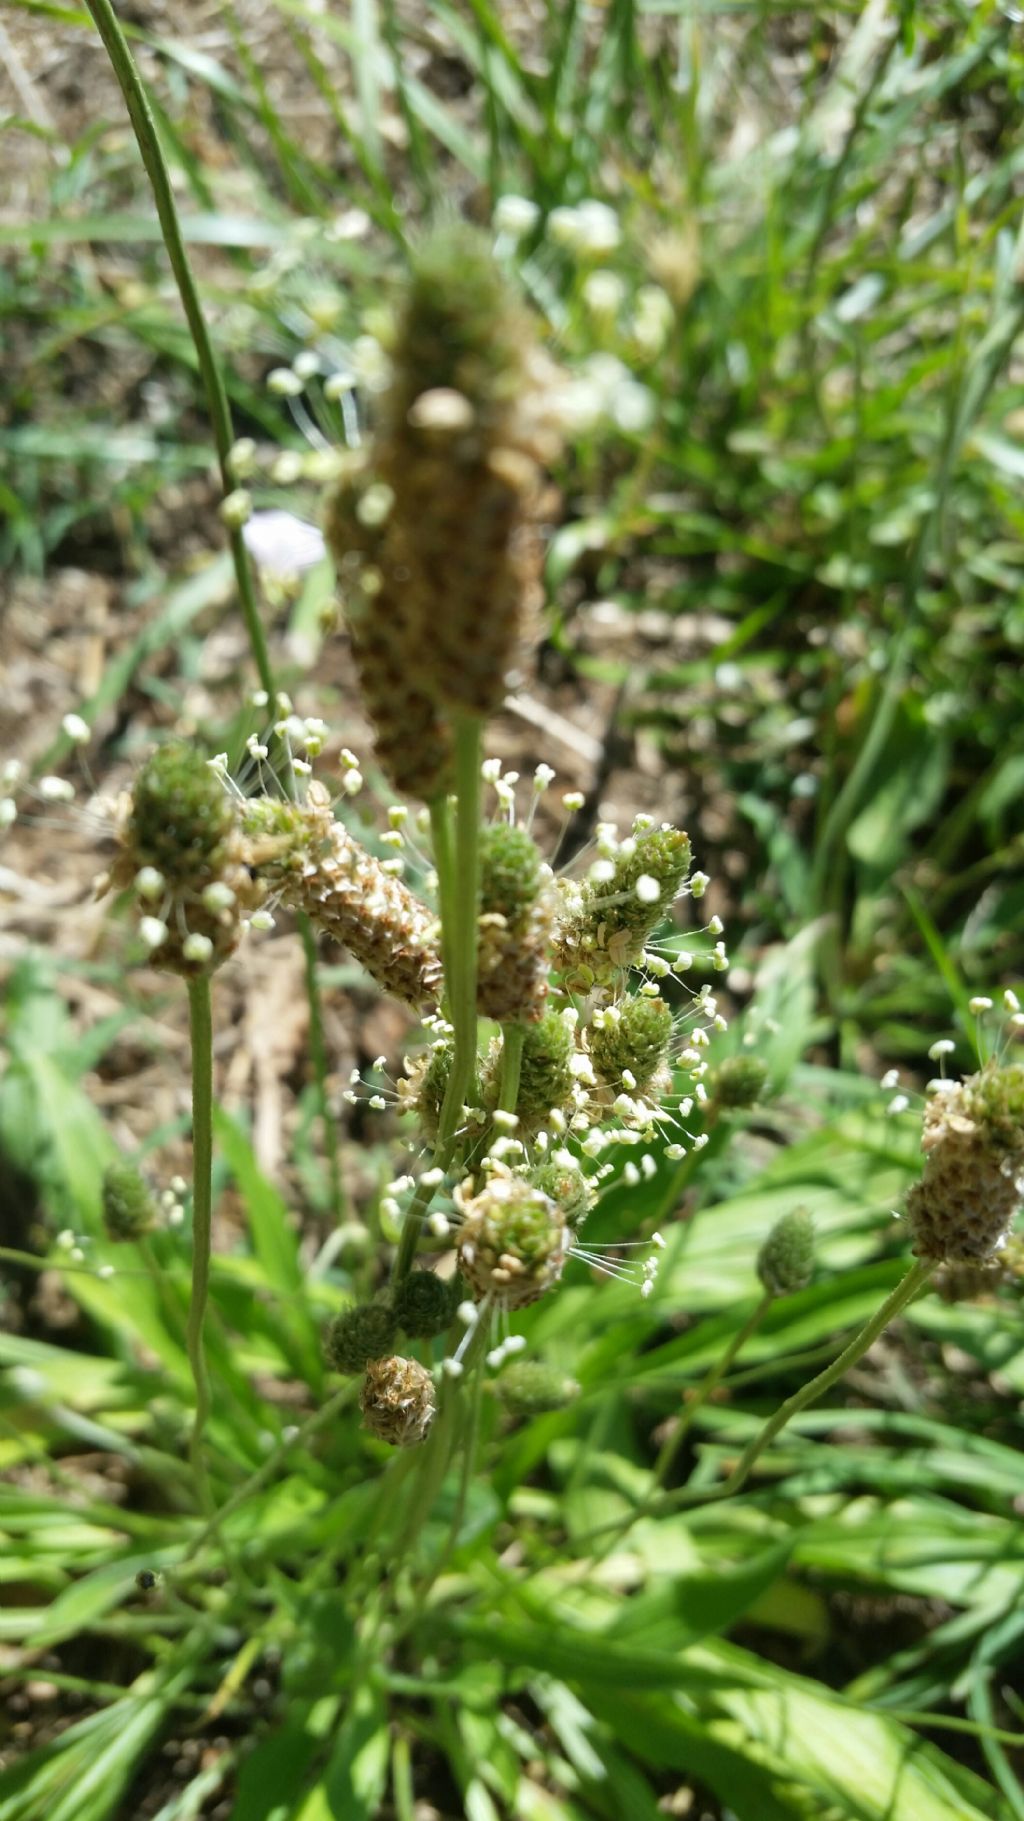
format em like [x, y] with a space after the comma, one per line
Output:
[360, 1334]
[512, 1244]
[128, 1209]
[785, 1262]
[397, 1401]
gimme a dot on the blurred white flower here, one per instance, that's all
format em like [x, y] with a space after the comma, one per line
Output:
[515, 215]
[281, 544]
[603, 292]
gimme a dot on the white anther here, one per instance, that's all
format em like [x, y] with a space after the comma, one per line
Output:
[217, 897]
[56, 790]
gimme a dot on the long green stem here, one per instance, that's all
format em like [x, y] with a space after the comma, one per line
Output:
[465, 895]
[688, 1497]
[706, 1389]
[458, 881]
[141, 116]
[219, 409]
[201, 1033]
[318, 1051]
[513, 1036]
[905, 1291]
[444, 865]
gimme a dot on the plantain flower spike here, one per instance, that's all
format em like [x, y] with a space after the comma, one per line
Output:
[785, 1262]
[459, 452]
[423, 1306]
[412, 740]
[547, 1075]
[628, 1043]
[739, 1081]
[973, 1178]
[128, 1208]
[605, 920]
[315, 865]
[397, 1401]
[512, 1244]
[516, 906]
[362, 1333]
[182, 855]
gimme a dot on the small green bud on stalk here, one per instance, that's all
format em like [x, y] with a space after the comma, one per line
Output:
[530, 1388]
[422, 1305]
[128, 1209]
[398, 1401]
[360, 1334]
[785, 1262]
[739, 1081]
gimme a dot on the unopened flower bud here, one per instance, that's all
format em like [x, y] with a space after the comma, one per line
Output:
[785, 1262]
[530, 1387]
[128, 1208]
[422, 1305]
[365, 1332]
[740, 1080]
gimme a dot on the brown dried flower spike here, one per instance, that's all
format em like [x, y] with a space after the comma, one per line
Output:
[397, 1401]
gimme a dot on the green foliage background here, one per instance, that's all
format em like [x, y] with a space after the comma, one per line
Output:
[832, 473]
